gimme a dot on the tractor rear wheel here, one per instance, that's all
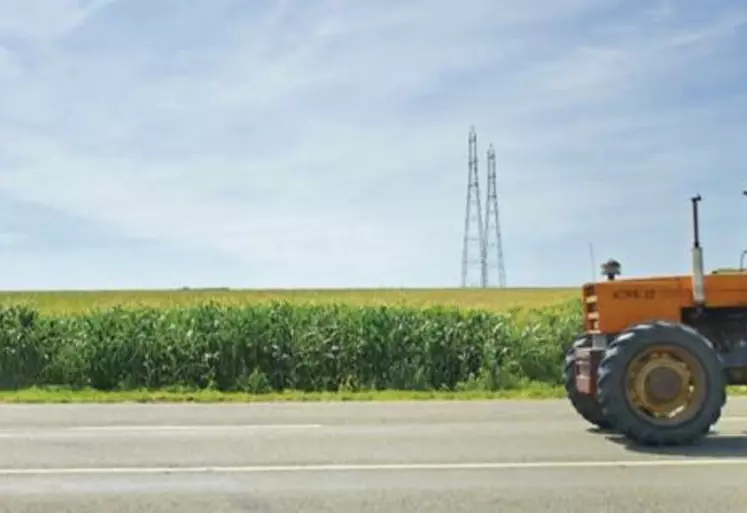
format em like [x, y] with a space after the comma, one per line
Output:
[662, 384]
[587, 406]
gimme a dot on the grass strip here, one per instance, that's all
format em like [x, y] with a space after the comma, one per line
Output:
[81, 396]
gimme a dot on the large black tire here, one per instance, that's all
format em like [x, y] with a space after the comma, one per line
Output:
[587, 406]
[613, 386]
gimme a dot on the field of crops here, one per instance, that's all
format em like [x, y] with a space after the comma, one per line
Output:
[312, 342]
[494, 300]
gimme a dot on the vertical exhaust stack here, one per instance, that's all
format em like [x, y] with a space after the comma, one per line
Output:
[698, 270]
[744, 253]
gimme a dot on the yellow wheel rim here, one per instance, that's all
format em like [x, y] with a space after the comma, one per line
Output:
[666, 385]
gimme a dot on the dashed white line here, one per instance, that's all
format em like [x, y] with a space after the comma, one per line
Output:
[193, 427]
[146, 430]
[733, 419]
[265, 469]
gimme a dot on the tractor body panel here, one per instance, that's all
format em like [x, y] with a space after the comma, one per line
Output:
[612, 307]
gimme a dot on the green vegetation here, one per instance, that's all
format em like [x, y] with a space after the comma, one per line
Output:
[272, 347]
[182, 395]
[493, 300]
[264, 350]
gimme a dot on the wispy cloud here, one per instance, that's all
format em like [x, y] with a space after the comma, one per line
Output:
[45, 20]
[312, 143]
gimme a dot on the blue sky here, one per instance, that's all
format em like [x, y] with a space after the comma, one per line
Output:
[323, 143]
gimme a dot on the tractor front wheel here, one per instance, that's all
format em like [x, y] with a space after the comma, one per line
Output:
[662, 384]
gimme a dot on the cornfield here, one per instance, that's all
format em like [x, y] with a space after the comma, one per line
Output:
[281, 346]
[489, 299]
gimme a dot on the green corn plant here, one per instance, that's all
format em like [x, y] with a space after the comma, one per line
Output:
[281, 345]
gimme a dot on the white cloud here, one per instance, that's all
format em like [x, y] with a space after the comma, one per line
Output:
[44, 20]
[326, 143]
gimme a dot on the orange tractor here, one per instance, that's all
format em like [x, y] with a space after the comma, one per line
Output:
[657, 353]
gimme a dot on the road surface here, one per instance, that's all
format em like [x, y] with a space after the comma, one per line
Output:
[434, 457]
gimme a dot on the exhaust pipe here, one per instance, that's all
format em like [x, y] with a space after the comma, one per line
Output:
[744, 253]
[698, 270]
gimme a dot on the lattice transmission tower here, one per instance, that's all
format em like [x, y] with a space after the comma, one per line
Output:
[493, 224]
[473, 243]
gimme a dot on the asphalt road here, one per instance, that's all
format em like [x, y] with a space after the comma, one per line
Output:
[434, 457]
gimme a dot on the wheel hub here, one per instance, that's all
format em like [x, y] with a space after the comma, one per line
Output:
[663, 386]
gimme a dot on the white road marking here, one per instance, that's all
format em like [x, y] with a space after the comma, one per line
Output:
[146, 430]
[159, 429]
[7, 472]
[733, 419]
[192, 427]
